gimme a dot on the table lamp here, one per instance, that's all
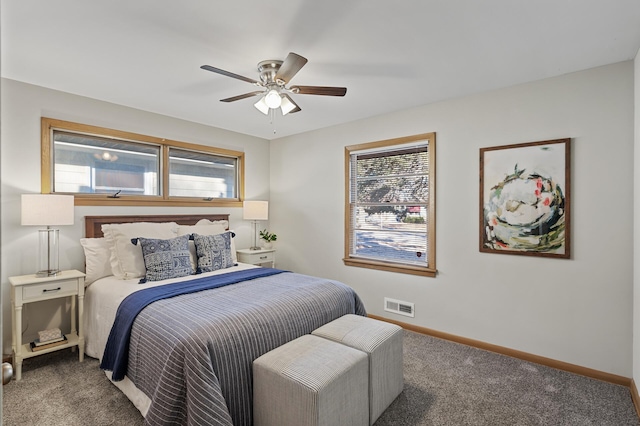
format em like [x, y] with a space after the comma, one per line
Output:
[255, 211]
[47, 210]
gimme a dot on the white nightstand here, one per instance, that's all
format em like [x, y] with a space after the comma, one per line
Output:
[28, 289]
[257, 257]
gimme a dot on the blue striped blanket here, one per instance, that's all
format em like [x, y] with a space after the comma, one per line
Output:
[116, 352]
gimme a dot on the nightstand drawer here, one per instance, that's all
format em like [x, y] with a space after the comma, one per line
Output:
[257, 257]
[262, 257]
[49, 290]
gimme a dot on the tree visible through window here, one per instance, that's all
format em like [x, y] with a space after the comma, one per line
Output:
[390, 205]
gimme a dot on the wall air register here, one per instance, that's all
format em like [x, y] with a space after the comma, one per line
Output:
[399, 307]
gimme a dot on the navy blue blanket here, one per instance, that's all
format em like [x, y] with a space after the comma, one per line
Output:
[116, 352]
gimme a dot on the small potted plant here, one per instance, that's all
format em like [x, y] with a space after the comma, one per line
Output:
[268, 238]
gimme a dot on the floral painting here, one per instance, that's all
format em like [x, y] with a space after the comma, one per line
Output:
[524, 199]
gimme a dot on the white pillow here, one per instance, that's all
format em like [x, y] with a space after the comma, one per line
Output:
[201, 229]
[214, 229]
[126, 258]
[223, 223]
[97, 255]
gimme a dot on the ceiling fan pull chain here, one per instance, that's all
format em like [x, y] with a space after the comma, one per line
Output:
[272, 119]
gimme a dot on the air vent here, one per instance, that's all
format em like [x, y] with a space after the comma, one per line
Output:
[399, 307]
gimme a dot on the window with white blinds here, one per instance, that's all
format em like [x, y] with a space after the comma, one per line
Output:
[390, 205]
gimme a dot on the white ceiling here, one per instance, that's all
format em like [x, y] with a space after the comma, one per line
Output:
[390, 54]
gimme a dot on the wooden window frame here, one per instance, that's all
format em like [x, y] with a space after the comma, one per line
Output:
[430, 270]
[48, 125]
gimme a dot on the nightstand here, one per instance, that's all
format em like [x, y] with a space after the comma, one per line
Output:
[28, 289]
[257, 257]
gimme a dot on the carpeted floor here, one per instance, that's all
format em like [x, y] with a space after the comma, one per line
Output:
[452, 384]
[445, 384]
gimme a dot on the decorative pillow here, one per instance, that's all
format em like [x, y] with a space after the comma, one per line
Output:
[234, 255]
[164, 259]
[214, 252]
[126, 259]
[201, 228]
[97, 255]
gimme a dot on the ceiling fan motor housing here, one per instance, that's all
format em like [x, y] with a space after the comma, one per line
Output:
[268, 70]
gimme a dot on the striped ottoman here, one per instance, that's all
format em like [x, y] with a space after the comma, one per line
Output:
[311, 381]
[383, 343]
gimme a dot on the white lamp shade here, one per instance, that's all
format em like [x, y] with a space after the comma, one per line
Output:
[46, 209]
[262, 106]
[255, 210]
[287, 106]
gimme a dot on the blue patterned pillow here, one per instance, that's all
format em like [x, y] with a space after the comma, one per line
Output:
[164, 259]
[213, 251]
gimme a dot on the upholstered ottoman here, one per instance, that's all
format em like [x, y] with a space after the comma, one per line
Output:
[311, 381]
[382, 341]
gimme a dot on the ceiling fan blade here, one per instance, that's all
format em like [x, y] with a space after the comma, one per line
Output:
[230, 74]
[319, 90]
[246, 95]
[288, 105]
[290, 67]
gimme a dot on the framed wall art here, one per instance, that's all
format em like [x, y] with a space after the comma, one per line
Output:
[525, 199]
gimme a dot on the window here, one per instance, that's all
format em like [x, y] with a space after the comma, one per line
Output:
[199, 174]
[85, 164]
[109, 167]
[390, 205]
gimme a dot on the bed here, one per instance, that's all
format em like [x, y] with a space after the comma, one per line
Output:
[188, 357]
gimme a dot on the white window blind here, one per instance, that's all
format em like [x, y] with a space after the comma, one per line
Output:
[389, 204]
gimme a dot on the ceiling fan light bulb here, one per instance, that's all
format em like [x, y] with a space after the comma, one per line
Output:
[273, 99]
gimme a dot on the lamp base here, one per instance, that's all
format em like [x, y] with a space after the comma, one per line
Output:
[48, 253]
[43, 274]
[255, 236]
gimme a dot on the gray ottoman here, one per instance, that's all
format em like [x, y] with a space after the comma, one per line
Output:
[311, 381]
[382, 341]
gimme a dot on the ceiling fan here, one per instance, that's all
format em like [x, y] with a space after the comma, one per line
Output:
[274, 77]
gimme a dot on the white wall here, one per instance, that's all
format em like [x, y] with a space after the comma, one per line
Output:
[22, 107]
[578, 310]
[636, 226]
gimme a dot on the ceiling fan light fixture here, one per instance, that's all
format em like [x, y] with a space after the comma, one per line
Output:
[273, 99]
[262, 106]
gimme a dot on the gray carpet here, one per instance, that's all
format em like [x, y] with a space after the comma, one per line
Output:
[445, 384]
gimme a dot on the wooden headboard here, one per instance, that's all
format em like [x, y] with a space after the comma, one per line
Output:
[93, 224]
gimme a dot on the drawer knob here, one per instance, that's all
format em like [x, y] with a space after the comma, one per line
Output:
[47, 290]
